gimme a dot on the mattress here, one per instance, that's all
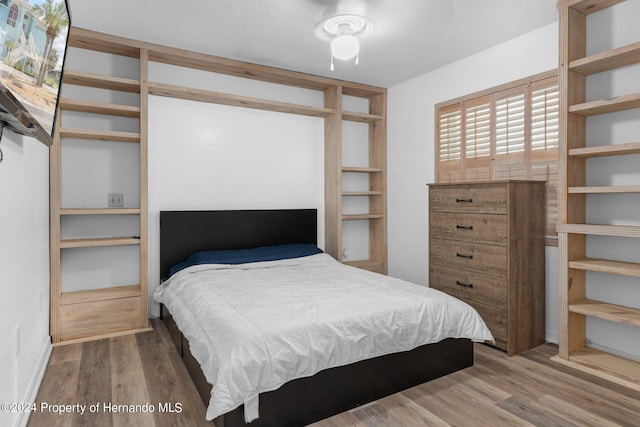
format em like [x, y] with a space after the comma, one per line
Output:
[255, 326]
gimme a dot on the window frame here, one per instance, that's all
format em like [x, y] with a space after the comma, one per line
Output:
[12, 16]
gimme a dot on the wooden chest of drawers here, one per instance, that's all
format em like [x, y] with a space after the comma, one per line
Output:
[486, 247]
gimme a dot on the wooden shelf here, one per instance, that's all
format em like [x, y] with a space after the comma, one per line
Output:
[87, 39]
[104, 294]
[608, 60]
[602, 230]
[621, 103]
[590, 6]
[366, 264]
[605, 189]
[100, 81]
[604, 365]
[360, 117]
[362, 193]
[100, 211]
[602, 310]
[360, 169]
[361, 216]
[101, 135]
[606, 150]
[103, 241]
[606, 266]
[172, 91]
[99, 108]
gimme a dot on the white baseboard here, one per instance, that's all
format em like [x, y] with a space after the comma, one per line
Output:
[34, 384]
[551, 336]
[620, 353]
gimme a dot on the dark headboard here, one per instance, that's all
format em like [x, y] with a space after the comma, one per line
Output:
[185, 232]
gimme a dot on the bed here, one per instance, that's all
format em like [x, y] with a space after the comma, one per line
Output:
[331, 381]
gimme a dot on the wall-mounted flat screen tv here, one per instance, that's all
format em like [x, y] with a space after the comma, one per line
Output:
[33, 41]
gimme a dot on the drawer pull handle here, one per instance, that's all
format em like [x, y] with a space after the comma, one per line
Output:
[464, 200]
[464, 256]
[464, 227]
[466, 285]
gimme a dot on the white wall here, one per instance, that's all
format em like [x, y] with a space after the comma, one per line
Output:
[24, 270]
[411, 161]
[206, 156]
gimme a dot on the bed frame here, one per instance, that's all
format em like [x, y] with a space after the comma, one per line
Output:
[329, 392]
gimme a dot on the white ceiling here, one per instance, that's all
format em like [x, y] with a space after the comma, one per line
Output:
[410, 37]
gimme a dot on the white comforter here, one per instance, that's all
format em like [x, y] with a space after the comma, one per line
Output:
[253, 327]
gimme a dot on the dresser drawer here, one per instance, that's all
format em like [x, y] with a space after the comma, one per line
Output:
[469, 227]
[469, 198]
[496, 320]
[469, 285]
[487, 259]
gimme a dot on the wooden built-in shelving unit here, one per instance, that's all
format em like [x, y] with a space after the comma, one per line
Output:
[91, 314]
[573, 229]
[376, 171]
[95, 313]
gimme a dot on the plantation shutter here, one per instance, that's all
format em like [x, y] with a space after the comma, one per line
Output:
[545, 109]
[507, 134]
[449, 137]
[509, 161]
[477, 140]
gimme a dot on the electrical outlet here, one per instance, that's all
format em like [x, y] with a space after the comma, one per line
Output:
[116, 200]
[345, 253]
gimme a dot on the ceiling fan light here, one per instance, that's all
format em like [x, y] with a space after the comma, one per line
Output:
[345, 47]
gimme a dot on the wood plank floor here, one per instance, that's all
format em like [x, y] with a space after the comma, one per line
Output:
[526, 390]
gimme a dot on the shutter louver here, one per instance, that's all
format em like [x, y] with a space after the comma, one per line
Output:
[510, 137]
[510, 125]
[478, 131]
[477, 142]
[544, 118]
[449, 168]
[450, 136]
